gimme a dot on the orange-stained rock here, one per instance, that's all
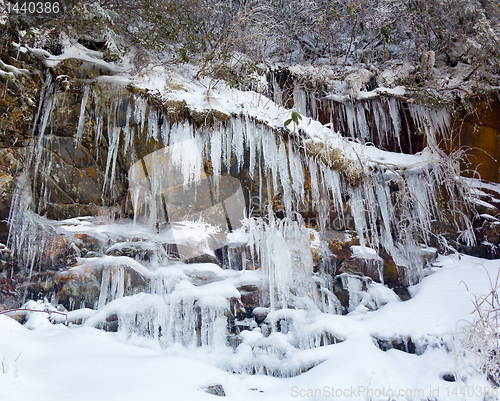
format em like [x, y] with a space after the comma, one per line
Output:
[479, 132]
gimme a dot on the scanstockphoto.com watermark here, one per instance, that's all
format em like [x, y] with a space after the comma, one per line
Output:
[359, 392]
[366, 392]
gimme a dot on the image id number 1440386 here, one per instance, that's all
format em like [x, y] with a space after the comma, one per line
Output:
[33, 7]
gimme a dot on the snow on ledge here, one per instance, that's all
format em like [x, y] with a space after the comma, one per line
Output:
[364, 252]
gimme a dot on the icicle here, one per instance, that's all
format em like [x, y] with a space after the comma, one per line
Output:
[216, 156]
[81, 120]
[421, 207]
[277, 92]
[396, 122]
[182, 322]
[362, 125]
[165, 131]
[227, 142]
[238, 142]
[354, 286]
[351, 120]
[299, 100]
[313, 172]
[297, 174]
[38, 148]
[270, 156]
[140, 108]
[103, 295]
[331, 182]
[112, 285]
[153, 124]
[117, 283]
[113, 146]
[387, 212]
[128, 136]
[47, 89]
[213, 331]
[313, 101]
[251, 143]
[184, 154]
[381, 125]
[430, 122]
[98, 125]
[284, 176]
[371, 207]
[283, 247]
[358, 213]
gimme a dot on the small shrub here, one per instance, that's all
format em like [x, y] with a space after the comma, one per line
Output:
[482, 337]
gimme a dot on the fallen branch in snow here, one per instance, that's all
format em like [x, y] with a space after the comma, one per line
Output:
[5, 364]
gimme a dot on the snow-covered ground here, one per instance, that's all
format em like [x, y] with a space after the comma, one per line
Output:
[45, 361]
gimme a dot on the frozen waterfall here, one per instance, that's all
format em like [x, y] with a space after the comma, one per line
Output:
[239, 188]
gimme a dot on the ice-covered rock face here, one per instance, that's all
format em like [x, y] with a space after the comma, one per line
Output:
[177, 189]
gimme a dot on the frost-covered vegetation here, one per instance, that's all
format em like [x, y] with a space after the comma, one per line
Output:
[212, 32]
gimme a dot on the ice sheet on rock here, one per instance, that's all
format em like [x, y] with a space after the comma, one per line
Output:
[74, 50]
[366, 295]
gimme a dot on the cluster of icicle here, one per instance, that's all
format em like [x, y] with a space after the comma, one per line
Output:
[282, 247]
[170, 311]
[28, 232]
[354, 118]
[397, 221]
